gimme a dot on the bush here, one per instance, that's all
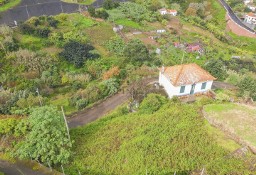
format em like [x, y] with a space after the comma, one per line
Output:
[82, 103]
[42, 32]
[7, 126]
[222, 97]
[152, 103]
[26, 29]
[216, 68]
[248, 85]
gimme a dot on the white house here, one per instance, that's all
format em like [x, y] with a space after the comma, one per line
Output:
[165, 11]
[252, 7]
[185, 79]
[160, 31]
[250, 18]
[248, 1]
[118, 28]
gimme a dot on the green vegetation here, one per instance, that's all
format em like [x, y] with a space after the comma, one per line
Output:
[7, 4]
[238, 119]
[85, 2]
[74, 61]
[166, 138]
[47, 140]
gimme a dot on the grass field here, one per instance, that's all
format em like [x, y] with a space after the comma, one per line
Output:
[9, 5]
[238, 119]
[173, 139]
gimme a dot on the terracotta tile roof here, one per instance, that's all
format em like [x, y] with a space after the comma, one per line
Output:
[251, 14]
[185, 74]
[171, 11]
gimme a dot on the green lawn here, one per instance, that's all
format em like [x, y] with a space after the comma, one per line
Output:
[238, 119]
[128, 23]
[9, 5]
[173, 139]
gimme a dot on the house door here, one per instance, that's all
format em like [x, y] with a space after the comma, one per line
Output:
[192, 89]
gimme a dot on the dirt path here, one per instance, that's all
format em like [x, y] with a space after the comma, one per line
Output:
[97, 111]
[223, 85]
[88, 115]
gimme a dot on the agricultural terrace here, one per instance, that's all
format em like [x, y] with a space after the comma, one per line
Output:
[236, 118]
[162, 137]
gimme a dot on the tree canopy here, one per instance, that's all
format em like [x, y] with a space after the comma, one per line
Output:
[77, 53]
[47, 140]
[136, 51]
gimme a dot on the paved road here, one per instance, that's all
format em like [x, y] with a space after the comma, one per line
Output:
[97, 111]
[234, 17]
[29, 8]
[17, 169]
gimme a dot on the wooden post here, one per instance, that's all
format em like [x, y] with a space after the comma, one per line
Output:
[49, 166]
[65, 122]
[37, 90]
[62, 169]
[202, 172]
[79, 172]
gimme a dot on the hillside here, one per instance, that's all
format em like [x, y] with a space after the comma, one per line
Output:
[169, 137]
[78, 60]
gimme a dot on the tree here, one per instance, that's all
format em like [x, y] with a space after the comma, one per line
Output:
[76, 53]
[137, 52]
[116, 45]
[102, 14]
[216, 68]
[248, 85]
[92, 11]
[47, 141]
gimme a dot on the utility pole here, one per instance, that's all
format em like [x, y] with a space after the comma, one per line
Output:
[65, 122]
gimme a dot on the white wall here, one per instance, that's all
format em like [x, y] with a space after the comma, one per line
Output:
[175, 91]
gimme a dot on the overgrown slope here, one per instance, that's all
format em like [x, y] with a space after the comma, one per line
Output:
[172, 139]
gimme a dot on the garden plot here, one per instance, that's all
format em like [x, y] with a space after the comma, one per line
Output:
[237, 119]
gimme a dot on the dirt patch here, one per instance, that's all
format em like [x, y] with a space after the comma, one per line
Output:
[235, 28]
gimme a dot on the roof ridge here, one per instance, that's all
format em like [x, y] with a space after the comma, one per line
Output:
[178, 76]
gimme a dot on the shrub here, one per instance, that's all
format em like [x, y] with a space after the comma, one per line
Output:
[222, 97]
[42, 32]
[26, 29]
[114, 71]
[82, 103]
[152, 103]
[7, 126]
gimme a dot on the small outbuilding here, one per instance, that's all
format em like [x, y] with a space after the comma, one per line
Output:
[185, 79]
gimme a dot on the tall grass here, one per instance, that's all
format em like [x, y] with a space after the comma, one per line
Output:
[173, 139]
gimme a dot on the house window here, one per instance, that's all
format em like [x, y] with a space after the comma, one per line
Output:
[203, 85]
[182, 89]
